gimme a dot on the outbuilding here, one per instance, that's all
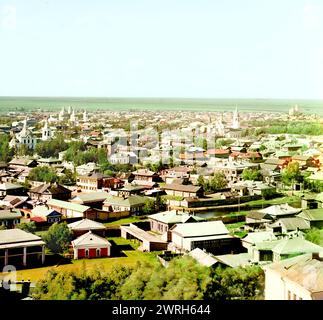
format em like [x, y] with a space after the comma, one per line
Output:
[90, 245]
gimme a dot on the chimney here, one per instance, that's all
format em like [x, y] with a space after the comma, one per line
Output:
[316, 256]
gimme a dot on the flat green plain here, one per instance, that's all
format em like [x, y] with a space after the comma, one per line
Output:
[157, 104]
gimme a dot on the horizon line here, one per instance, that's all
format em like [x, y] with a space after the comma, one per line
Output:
[159, 98]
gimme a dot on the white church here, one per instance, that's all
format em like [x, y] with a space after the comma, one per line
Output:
[24, 137]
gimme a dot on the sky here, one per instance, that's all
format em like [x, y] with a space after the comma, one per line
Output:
[162, 48]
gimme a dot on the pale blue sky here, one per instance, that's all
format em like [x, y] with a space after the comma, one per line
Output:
[162, 48]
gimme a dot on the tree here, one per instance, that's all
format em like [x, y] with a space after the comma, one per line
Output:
[74, 148]
[5, 152]
[2, 228]
[69, 177]
[251, 174]
[43, 174]
[27, 226]
[200, 181]
[51, 148]
[292, 173]
[183, 279]
[243, 283]
[58, 237]
[315, 235]
[218, 181]
[94, 285]
[150, 206]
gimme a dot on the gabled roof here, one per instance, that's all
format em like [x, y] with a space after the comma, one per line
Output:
[10, 186]
[16, 235]
[90, 239]
[144, 172]
[94, 175]
[48, 188]
[172, 217]
[256, 215]
[21, 161]
[8, 215]
[304, 270]
[14, 201]
[203, 257]
[296, 246]
[274, 161]
[138, 182]
[255, 237]
[312, 214]
[44, 211]
[280, 210]
[67, 205]
[234, 260]
[294, 223]
[90, 197]
[200, 229]
[181, 187]
[86, 224]
[130, 201]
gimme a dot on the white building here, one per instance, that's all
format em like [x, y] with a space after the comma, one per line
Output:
[235, 119]
[24, 137]
[61, 115]
[46, 132]
[297, 278]
[85, 116]
[123, 157]
[73, 117]
[205, 235]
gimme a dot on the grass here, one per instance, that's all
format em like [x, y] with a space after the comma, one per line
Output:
[130, 258]
[234, 226]
[287, 199]
[237, 213]
[234, 229]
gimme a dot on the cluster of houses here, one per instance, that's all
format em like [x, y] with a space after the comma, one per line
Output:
[275, 235]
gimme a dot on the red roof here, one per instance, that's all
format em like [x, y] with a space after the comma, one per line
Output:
[248, 155]
[218, 151]
[38, 219]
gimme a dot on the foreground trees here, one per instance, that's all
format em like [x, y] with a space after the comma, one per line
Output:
[58, 237]
[183, 279]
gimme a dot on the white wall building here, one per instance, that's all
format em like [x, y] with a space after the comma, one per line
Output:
[297, 278]
[46, 132]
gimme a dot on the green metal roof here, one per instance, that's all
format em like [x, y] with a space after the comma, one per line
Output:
[312, 214]
[130, 201]
[67, 205]
[93, 196]
[296, 245]
[8, 215]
